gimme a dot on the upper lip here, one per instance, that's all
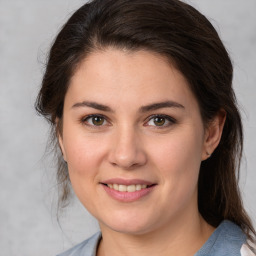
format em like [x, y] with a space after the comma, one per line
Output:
[127, 182]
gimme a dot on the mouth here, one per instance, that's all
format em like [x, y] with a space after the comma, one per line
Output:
[128, 188]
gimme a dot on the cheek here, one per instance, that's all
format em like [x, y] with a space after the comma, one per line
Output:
[82, 152]
[84, 157]
[178, 160]
[178, 151]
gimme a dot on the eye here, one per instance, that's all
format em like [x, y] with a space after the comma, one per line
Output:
[95, 120]
[160, 121]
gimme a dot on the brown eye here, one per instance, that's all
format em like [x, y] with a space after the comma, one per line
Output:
[95, 120]
[98, 120]
[159, 121]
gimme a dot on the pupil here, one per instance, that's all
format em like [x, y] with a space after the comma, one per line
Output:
[98, 120]
[159, 121]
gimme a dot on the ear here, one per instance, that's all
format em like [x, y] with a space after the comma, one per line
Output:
[59, 134]
[213, 134]
[60, 140]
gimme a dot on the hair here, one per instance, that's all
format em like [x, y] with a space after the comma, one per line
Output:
[188, 40]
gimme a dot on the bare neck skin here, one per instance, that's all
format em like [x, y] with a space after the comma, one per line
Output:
[183, 237]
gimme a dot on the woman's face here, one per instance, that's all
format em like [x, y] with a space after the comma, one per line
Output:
[133, 139]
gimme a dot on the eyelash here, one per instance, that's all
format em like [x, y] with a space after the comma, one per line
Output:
[170, 121]
[84, 120]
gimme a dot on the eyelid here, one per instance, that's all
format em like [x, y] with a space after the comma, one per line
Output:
[84, 119]
[170, 120]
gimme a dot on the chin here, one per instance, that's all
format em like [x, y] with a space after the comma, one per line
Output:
[133, 225]
[129, 229]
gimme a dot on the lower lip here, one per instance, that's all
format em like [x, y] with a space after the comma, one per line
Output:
[127, 196]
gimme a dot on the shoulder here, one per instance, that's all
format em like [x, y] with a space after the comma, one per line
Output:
[228, 239]
[86, 248]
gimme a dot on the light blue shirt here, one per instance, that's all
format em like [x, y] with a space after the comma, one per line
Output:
[226, 240]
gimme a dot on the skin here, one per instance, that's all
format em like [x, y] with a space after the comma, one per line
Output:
[130, 144]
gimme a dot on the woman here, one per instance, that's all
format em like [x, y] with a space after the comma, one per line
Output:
[139, 95]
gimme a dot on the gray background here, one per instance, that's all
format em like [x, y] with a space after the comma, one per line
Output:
[28, 224]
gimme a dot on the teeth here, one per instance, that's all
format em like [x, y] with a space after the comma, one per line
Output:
[124, 188]
[138, 187]
[131, 188]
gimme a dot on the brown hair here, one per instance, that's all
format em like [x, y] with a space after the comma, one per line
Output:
[179, 32]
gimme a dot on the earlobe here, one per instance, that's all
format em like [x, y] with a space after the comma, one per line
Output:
[60, 140]
[213, 134]
[58, 127]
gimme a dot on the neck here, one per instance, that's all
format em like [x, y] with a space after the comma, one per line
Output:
[168, 240]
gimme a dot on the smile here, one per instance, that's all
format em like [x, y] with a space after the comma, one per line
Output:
[129, 188]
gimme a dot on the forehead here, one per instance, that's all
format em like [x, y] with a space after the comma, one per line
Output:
[120, 76]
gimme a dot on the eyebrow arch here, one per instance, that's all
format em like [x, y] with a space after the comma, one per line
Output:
[147, 108]
[94, 105]
[158, 105]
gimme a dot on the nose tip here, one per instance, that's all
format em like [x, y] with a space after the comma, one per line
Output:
[127, 153]
[125, 161]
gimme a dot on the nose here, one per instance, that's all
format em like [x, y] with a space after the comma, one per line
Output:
[127, 149]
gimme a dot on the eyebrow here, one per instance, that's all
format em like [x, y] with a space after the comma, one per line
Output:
[143, 109]
[165, 104]
[94, 105]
